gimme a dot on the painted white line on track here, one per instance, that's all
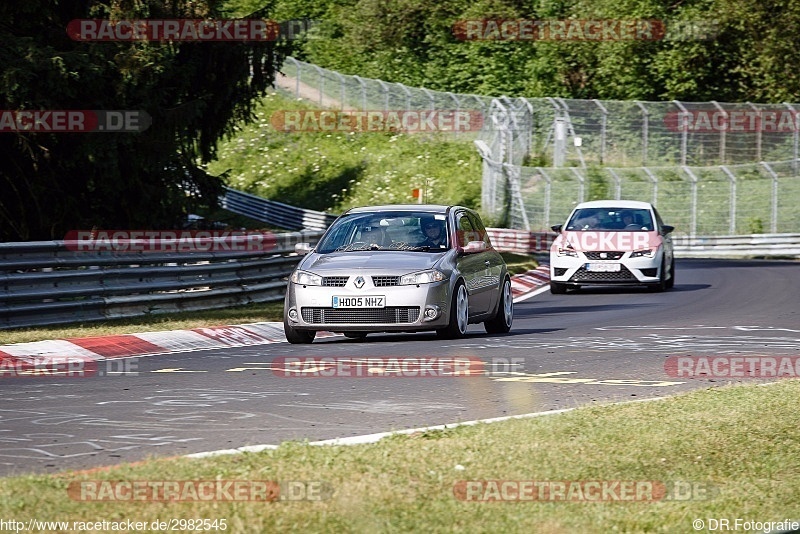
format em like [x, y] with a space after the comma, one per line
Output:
[532, 294]
[374, 438]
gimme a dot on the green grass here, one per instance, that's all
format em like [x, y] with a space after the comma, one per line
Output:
[741, 443]
[336, 171]
[251, 313]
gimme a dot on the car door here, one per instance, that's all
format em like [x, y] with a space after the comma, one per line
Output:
[493, 262]
[472, 266]
[666, 238]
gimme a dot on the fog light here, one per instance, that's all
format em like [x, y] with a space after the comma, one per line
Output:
[431, 312]
[293, 314]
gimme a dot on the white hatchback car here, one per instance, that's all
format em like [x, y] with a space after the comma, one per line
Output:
[612, 242]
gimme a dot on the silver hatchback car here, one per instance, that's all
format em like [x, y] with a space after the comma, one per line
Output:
[399, 268]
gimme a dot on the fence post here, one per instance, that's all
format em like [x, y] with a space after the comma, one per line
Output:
[732, 207]
[581, 184]
[774, 215]
[571, 130]
[408, 96]
[617, 183]
[693, 178]
[385, 95]
[548, 182]
[654, 181]
[758, 131]
[341, 89]
[363, 85]
[722, 132]
[645, 130]
[602, 130]
[794, 137]
[684, 130]
[321, 85]
[430, 97]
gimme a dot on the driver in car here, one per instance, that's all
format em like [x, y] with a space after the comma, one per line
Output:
[434, 233]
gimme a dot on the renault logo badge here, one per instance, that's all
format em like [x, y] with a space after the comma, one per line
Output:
[359, 282]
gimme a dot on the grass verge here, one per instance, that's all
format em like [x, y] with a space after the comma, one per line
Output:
[251, 313]
[739, 443]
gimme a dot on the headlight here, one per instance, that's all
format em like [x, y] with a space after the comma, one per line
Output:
[649, 253]
[306, 279]
[567, 250]
[422, 277]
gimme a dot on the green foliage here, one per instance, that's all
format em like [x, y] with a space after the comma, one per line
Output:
[336, 171]
[725, 50]
[599, 186]
[195, 92]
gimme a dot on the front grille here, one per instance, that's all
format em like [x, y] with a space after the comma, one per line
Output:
[559, 271]
[335, 281]
[623, 275]
[385, 281]
[609, 255]
[388, 315]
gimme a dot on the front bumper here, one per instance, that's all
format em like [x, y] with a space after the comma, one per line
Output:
[573, 270]
[404, 309]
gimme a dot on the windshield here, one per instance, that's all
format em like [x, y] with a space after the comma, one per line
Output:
[611, 220]
[401, 230]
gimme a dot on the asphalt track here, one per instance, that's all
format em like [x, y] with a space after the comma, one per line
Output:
[597, 345]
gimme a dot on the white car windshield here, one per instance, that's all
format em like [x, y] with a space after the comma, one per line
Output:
[611, 220]
[401, 230]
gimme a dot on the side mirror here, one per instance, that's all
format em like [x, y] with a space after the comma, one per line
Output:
[302, 248]
[557, 228]
[667, 229]
[473, 247]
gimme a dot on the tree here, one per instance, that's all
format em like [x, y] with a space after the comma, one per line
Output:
[195, 92]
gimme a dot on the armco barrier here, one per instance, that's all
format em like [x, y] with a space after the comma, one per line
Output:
[50, 282]
[274, 213]
[736, 246]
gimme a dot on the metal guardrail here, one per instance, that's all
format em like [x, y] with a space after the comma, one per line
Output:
[49, 282]
[274, 213]
[734, 246]
[737, 246]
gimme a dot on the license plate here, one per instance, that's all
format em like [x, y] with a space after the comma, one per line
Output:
[364, 301]
[603, 267]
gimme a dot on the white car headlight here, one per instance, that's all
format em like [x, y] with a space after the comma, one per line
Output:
[422, 277]
[649, 253]
[305, 278]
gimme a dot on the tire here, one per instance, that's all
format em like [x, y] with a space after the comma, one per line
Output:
[459, 314]
[298, 337]
[355, 335]
[501, 322]
[557, 288]
[671, 282]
